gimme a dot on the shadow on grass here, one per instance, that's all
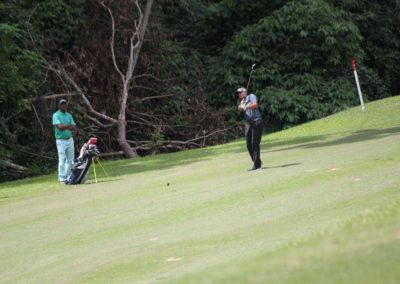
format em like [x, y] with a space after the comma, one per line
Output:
[281, 166]
[101, 178]
[363, 135]
[268, 143]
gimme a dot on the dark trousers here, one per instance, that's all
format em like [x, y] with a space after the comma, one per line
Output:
[253, 132]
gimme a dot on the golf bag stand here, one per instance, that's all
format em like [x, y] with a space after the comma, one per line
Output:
[81, 165]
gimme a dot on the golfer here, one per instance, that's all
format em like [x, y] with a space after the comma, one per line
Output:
[254, 125]
[64, 124]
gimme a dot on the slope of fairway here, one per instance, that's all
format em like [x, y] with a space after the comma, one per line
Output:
[325, 208]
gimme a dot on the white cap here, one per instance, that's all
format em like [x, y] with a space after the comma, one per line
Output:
[241, 89]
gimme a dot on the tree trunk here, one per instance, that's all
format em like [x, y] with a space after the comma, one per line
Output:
[126, 148]
[136, 41]
[134, 55]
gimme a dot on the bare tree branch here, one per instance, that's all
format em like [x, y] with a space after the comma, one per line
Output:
[153, 97]
[55, 96]
[136, 34]
[144, 120]
[137, 26]
[144, 88]
[155, 126]
[187, 142]
[210, 134]
[112, 42]
[142, 29]
[153, 77]
[64, 74]
[99, 123]
[38, 119]
[165, 142]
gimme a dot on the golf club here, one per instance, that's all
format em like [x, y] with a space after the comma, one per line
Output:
[251, 72]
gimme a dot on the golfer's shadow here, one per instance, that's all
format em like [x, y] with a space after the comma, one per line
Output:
[281, 166]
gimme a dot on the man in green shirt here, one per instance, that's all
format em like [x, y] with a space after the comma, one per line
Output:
[64, 124]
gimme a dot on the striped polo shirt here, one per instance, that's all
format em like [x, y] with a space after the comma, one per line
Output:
[252, 114]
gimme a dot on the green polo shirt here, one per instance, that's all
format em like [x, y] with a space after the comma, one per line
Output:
[66, 118]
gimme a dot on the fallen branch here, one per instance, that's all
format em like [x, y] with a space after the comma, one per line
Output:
[111, 154]
[153, 97]
[55, 96]
[165, 142]
[208, 135]
[16, 167]
[153, 77]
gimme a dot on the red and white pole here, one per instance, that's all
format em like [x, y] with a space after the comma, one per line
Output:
[354, 66]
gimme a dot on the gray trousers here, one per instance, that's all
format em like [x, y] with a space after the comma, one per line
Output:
[253, 132]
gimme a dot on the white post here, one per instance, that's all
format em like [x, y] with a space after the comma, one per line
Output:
[353, 64]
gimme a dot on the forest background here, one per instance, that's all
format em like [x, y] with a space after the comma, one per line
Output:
[178, 63]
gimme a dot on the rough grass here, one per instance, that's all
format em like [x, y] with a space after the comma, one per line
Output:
[325, 209]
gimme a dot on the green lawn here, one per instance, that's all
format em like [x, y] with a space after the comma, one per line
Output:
[324, 209]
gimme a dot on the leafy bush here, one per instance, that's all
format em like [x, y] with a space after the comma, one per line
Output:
[303, 52]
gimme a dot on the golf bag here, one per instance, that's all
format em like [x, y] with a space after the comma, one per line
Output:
[81, 165]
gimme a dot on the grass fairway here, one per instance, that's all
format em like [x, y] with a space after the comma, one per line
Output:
[325, 209]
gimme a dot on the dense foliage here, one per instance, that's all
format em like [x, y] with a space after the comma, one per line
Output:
[196, 52]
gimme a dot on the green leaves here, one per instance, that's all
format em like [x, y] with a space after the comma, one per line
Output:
[379, 23]
[301, 49]
[291, 104]
[18, 67]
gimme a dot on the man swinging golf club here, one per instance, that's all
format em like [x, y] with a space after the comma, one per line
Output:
[254, 125]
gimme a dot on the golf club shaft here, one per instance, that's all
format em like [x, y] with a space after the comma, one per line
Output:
[251, 72]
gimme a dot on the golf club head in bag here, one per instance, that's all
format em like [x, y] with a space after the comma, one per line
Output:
[81, 165]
